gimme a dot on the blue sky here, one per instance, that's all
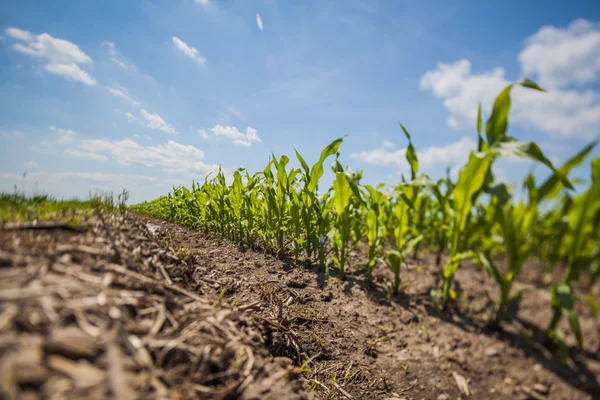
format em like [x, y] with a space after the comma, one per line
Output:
[149, 94]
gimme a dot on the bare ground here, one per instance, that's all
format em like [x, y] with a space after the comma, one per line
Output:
[137, 308]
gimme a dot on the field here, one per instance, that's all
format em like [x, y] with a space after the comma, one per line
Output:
[275, 287]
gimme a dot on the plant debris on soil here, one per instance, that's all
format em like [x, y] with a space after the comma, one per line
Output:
[113, 313]
[125, 307]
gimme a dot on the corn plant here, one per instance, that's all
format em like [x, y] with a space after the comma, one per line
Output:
[402, 246]
[516, 222]
[440, 221]
[309, 201]
[469, 183]
[582, 251]
[340, 232]
[375, 226]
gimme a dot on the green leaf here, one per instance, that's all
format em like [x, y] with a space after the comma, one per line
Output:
[410, 245]
[560, 339]
[405, 131]
[525, 82]
[342, 193]
[304, 164]
[511, 147]
[401, 223]
[529, 183]
[304, 366]
[470, 180]
[563, 296]
[481, 145]
[372, 227]
[581, 216]
[411, 157]
[553, 184]
[411, 154]
[395, 259]
[501, 192]
[406, 200]
[492, 270]
[497, 124]
[317, 169]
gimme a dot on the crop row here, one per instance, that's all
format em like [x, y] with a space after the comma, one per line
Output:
[285, 212]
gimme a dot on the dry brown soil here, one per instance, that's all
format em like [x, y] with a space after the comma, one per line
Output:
[131, 307]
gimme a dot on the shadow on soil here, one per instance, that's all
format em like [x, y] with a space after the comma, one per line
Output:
[574, 372]
[533, 343]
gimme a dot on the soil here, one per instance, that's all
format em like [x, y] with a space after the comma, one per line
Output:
[167, 312]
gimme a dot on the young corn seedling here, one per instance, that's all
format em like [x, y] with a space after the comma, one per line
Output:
[309, 201]
[441, 222]
[477, 175]
[394, 259]
[582, 251]
[470, 180]
[375, 226]
[324, 216]
[515, 223]
[340, 233]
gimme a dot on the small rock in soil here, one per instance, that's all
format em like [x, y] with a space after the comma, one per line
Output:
[531, 394]
[296, 284]
[543, 389]
[462, 384]
[492, 352]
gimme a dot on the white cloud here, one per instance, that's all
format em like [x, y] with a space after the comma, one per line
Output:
[43, 147]
[57, 51]
[89, 155]
[462, 91]
[71, 72]
[388, 144]
[130, 117]
[561, 57]
[188, 51]
[231, 109]
[120, 180]
[567, 113]
[243, 143]
[155, 121]
[11, 135]
[64, 136]
[152, 121]
[64, 57]
[557, 58]
[116, 57]
[20, 34]
[119, 92]
[123, 93]
[171, 157]
[30, 164]
[245, 139]
[203, 3]
[452, 154]
[382, 156]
